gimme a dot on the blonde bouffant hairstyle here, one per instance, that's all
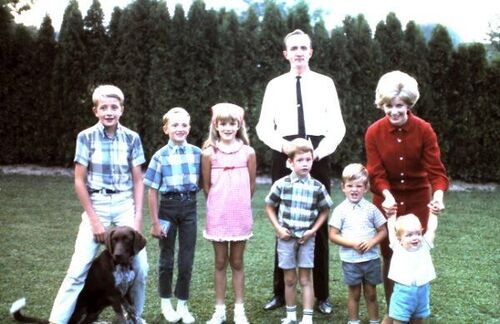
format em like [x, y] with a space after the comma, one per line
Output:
[396, 84]
[226, 112]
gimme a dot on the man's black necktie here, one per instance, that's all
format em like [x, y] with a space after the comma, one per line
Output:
[300, 111]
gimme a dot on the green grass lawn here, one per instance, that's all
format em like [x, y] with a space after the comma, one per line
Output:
[39, 217]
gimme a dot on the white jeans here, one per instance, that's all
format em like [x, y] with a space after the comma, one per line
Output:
[113, 210]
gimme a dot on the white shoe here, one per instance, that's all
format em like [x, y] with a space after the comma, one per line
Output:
[185, 315]
[170, 314]
[217, 318]
[240, 319]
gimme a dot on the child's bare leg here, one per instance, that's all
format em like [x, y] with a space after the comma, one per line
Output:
[353, 296]
[370, 292]
[306, 282]
[236, 261]
[307, 288]
[221, 261]
[290, 276]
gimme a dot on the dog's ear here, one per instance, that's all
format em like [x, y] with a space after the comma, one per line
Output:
[139, 242]
[107, 240]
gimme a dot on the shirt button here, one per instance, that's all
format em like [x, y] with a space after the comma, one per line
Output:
[401, 158]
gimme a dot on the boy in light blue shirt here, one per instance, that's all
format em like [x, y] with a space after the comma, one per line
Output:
[358, 227]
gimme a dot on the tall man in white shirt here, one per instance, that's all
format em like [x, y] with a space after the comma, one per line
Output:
[302, 103]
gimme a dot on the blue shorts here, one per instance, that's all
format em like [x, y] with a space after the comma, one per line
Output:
[360, 272]
[292, 255]
[409, 302]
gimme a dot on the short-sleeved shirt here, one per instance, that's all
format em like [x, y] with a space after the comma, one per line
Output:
[109, 160]
[300, 200]
[174, 168]
[357, 221]
[412, 267]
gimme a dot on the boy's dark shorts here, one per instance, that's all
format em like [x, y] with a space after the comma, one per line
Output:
[368, 271]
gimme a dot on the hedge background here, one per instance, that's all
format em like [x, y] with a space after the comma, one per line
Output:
[198, 58]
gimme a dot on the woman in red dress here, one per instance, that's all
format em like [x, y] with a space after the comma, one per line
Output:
[403, 158]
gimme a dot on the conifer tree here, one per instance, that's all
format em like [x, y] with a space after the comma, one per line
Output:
[298, 17]
[109, 69]
[46, 50]
[273, 30]
[69, 90]
[439, 59]
[389, 35]
[467, 97]
[359, 111]
[96, 44]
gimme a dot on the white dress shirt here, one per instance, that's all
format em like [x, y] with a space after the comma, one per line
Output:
[322, 115]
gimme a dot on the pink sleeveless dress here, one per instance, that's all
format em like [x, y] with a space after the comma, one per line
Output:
[229, 210]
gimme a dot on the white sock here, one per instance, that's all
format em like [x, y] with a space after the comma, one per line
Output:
[220, 309]
[291, 313]
[166, 303]
[239, 309]
[307, 318]
[181, 304]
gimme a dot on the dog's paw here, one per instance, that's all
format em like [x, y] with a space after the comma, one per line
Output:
[17, 305]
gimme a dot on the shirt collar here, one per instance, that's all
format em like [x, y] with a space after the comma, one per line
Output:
[295, 178]
[406, 127]
[174, 146]
[100, 128]
[355, 205]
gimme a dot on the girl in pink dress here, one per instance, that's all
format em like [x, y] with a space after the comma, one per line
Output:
[228, 170]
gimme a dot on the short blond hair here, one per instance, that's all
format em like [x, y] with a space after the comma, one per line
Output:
[354, 172]
[295, 33]
[402, 223]
[396, 84]
[107, 91]
[299, 145]
[174, 111]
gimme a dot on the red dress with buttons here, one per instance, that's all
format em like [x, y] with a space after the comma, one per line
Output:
[406, 161]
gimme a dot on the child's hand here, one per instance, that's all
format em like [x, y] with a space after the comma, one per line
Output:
[156, 231]
[307, 235]
[98, 230]
[283, 233]
[365, 246]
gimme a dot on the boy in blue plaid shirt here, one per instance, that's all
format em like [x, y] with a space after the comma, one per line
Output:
[297, 205]
[174, 171]
[108, 183]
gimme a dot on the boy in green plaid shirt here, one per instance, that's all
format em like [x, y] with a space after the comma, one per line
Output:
[297, 205]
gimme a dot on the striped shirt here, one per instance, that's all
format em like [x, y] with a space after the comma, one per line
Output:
[358, 221]
[174, 168]
[109, 160]
[300, 200]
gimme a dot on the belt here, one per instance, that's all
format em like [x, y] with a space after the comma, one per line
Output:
[103, 191]
[179, 195]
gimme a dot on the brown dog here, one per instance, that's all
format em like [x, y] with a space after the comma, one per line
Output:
[108, 282]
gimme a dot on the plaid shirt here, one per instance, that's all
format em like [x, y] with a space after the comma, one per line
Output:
[109, 160]
[174, 168]
[300, 201]
[360, 222]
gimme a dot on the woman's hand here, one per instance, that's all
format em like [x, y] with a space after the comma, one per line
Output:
[389, 204]
[436, 205]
